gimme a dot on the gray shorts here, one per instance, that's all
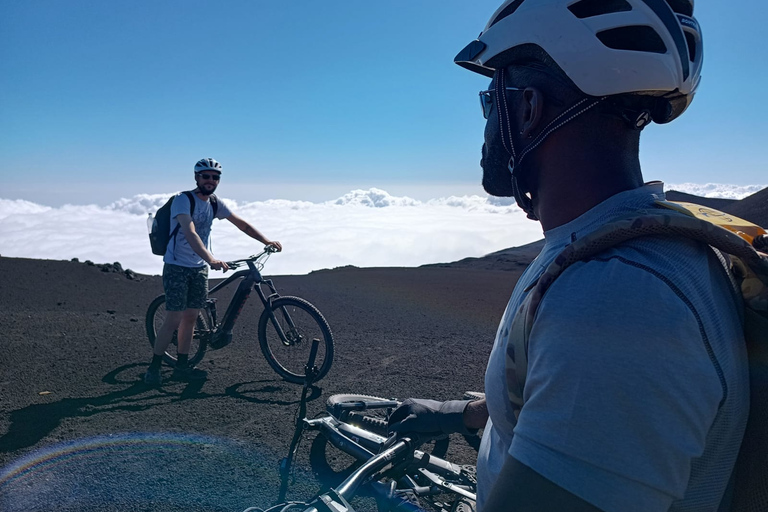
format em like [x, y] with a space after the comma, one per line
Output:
[185, 287]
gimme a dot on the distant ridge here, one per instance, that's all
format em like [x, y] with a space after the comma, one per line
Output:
[753, 208]
[717, 203]
[512, 259]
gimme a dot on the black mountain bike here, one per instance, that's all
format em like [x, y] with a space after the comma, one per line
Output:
[287, 325]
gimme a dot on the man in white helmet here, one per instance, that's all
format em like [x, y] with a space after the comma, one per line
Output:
[635, 394]
[185, 272]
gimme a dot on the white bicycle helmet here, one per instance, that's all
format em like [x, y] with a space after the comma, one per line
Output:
[207, 164]
[606, 47]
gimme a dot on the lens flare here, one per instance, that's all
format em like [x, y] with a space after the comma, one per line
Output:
[140, 469]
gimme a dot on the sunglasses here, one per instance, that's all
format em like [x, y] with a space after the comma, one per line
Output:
[486, 100]
[214, 177]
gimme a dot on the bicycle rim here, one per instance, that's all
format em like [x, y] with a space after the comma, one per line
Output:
[286, 331]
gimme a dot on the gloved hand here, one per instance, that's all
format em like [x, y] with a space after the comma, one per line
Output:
[430, 416]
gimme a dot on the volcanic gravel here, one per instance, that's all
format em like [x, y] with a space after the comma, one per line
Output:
[80, 431]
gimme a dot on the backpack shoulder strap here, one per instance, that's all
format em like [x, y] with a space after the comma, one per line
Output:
[175, 232]
[191, 198]
[650, 222]
[214, 204]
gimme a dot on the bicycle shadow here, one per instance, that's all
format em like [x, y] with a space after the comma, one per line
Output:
[30, 425]
[235, 392]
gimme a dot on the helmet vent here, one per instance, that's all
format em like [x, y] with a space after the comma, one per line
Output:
[636, 38]
[684, 7]
[590, 8]
[508, 10]
[691, 46]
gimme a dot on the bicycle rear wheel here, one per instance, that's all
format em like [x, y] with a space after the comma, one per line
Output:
[286, 330]
[156, 314]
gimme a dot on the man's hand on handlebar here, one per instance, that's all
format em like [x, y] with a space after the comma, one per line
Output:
[218, 265]
[430, 416]
[276, 246]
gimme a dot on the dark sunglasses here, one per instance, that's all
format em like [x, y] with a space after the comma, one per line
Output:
[214, 177]
[486, 100]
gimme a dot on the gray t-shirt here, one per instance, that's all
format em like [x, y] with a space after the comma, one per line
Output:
[637, 390]
[179, 251]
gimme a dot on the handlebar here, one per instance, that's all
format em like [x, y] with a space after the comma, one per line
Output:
[346, 490]
[259, 259]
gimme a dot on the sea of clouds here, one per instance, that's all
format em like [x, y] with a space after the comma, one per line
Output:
[364, 228]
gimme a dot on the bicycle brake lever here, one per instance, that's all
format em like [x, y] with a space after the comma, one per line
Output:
[392, 439]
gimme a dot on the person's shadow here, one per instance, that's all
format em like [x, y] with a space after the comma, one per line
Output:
[30, 425]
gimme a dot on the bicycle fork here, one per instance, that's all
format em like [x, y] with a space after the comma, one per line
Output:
[290, 337]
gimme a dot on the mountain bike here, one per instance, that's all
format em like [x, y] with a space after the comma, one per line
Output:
[388, 473]
[286, 327]
[421, 479]
[394, 471]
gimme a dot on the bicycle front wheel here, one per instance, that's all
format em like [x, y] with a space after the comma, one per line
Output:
[156, 315]
[286, 330]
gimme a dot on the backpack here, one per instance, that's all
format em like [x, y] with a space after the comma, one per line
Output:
[160, 235]
[734, 238]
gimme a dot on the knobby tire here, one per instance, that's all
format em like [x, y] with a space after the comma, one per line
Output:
[289, 358]
[373, 420]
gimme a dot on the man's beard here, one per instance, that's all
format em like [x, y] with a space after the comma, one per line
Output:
[204, 191]
[497, 180]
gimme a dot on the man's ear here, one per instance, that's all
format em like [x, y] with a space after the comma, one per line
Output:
[532, 110]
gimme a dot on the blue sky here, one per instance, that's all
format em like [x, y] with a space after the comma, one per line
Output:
[306, 100]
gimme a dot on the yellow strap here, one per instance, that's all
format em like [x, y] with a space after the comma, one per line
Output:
[745, 229]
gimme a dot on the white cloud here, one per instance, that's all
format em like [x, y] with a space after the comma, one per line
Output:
[715, 189]
[362, 228]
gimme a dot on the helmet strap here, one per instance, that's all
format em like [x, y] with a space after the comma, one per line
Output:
[505, 127]
[580, 107]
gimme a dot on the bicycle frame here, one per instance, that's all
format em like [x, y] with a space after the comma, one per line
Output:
[250, 279]
[363, 444]
[338, 499]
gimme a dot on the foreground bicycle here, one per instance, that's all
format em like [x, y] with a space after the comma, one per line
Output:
[412, 480]
[395, 471]
[286, 329]
[388, 471]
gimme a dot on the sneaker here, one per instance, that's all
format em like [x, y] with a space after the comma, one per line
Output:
[153, 377]
[189, 374]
